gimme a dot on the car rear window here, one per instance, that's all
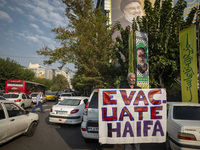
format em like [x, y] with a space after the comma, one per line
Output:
[50, 94]
[186, 112]
[70, 102]
[11, 95]
[94, 101]
[34, 95]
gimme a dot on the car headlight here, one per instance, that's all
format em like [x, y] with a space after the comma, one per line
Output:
[186, 136]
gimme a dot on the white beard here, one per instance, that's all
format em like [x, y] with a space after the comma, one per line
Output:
[129, 17]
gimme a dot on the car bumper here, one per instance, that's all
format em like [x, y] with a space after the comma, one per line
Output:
[51, 99]
[175, 145]
[87, 134]
[65, 120]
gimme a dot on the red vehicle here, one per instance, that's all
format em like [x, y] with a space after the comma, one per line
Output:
[16, 86]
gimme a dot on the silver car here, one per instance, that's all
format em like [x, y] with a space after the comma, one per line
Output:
[22, 99]
[34, 95]
[15, 121]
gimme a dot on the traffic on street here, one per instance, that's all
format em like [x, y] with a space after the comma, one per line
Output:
[53, 136]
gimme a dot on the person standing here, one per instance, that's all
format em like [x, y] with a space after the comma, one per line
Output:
[131, 85]
[38, 103]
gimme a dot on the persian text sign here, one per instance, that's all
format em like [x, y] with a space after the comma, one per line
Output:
[132, 116]
[188, 64]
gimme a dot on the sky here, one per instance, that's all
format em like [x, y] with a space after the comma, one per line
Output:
[25, 27]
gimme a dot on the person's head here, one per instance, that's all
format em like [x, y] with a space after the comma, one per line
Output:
[40, 93]
[131, 9]
[141, 55]
[131, 78]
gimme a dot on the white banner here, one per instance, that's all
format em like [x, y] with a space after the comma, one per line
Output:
[132, 116]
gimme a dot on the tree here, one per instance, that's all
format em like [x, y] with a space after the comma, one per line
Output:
[86, 42]
[60, 81]
[55, 88]
[9, 69]
[46, 82]
[162, 23]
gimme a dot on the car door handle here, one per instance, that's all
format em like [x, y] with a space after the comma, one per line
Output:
[12, 119]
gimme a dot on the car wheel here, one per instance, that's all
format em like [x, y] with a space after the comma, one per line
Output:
[167, 143]
[31, 129]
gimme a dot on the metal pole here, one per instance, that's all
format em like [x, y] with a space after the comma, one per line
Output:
[198, 44]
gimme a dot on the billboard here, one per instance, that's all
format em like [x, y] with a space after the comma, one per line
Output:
[40, 72]
[125, 10]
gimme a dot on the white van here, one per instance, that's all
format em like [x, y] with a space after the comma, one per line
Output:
[89, 126]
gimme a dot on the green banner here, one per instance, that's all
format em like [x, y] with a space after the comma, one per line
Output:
[142, 65]
[188, 64]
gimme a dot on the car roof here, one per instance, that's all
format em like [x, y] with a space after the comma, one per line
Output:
[15, 93]
[76, 97]
[182, 104]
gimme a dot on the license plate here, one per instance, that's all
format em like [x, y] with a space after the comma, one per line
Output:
[61, 112]
[93, 129]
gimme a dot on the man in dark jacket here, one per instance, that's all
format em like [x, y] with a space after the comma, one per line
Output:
[131, 85]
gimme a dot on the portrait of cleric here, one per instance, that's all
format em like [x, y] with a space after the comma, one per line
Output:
[142, 66]
[124, 11]
[131, 9]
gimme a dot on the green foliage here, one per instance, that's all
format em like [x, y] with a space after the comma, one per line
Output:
[121, 50]
[163, 24]
[55, 88]
[60, 81]
[86, 42]
[46, 82]
[9, 69]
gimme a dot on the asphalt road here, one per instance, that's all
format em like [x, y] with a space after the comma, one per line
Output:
[50, 136]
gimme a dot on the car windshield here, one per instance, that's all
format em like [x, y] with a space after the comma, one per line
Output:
[50, 94]
[66, 94]
[186, 112]
[11, 95]
[70, 102]
[34, 95]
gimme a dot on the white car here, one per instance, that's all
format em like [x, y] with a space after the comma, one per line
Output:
[15, 121]
[34, 95]
[183, 126]
[65, 95]
[68, 111]
[22, 99]
[89, 126]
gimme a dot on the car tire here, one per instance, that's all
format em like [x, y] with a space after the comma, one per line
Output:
[167, 143]
[31, 129]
